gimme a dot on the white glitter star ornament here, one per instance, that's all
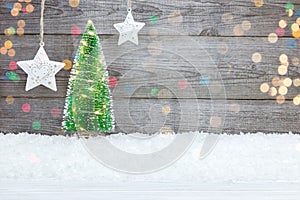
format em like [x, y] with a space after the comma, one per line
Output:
[129, 29]
[41, 70]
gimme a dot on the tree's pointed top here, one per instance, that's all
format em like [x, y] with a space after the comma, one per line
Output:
[90, 22]
[90, 29]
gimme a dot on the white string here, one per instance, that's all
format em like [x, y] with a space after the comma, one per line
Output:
[42, 23]
[129, 5]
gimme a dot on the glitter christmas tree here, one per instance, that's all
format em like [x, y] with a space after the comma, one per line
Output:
[88, 103]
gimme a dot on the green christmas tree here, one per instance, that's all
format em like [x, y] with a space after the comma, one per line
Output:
[88, 103]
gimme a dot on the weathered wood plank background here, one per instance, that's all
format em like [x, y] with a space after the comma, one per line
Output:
[193, 69]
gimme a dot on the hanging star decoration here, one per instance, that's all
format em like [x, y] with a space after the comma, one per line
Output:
[41, 71]
[129, 29]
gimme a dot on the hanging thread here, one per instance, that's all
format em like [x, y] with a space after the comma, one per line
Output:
[42, 23]
[129, 5]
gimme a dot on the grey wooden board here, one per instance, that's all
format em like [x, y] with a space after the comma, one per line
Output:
[146, 116]
[198, 17]
[133, 66]
[202, 45]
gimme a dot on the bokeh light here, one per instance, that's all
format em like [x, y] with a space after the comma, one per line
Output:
[68, 64]
[74, 3]
[280, 99]
[216, 121]
[256, 57]
[56, 112]
[296, 82]
[10, 100]
[166, 110]
[182, 84]
[13, 65]
[26, 107]
[112, 82]
[75, 31]
[296, 100]
[36, 125]
[258, 3]
[272, 38]
[264, 87]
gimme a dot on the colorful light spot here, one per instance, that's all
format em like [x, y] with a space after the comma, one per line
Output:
[204, 80]
[287, 82]
[280, 31]
[74, 3]
[56, 112]
[238, 30]
[258, 3]
[264, 88]
[13, 65]
[227, 18]
[21, 23]
[13, 76]
[282, 70]
[68, 64]
[273, 91]
[36, 125]
[26, 108]
[10, 100]
[166, 110]
[289, 6]
[154, 92]
[296, 34]
[222, 48]
[295, 61]
[18, 6]
[282, 90]
[291, 43]
[283, 58]
[256, 57]
[246, 25]
[14, 12]
[154, 19]
[11, 52]
[3, 50]
[129, 88]
[297, 13]
[216, 121]
[280, 99]
[165, 94]
[153, 32]
[296, 82]
[296, 101]
[182, 84]
[112, 82]
[282, 23]
[29, 8]
[8, 44]
[295, 27]
[276, 81]
[272, 38]
[20, 31]
[9, 6]
[75, 31]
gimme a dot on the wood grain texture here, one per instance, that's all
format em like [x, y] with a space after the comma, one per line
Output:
[189, 43]
[153, 60]
[196, 17]
[147, 116]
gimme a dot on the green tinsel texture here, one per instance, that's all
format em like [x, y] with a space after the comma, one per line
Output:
[88, 102]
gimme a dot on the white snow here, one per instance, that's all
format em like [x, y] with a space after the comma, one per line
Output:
[254, 165]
